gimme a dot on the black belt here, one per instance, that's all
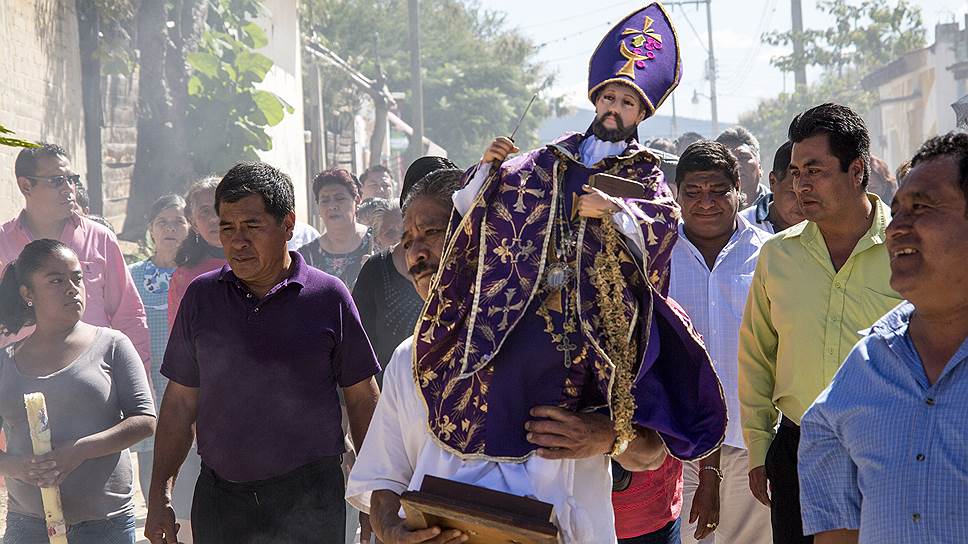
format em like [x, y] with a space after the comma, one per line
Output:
[294, 474]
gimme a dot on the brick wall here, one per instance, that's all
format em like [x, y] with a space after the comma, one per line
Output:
[40, 85]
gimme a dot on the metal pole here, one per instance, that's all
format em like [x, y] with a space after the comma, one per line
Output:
[322, 121]
[416, 145]
[800, 69]
[712, 69]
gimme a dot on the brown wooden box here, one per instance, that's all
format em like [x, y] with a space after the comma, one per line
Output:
[485, 515]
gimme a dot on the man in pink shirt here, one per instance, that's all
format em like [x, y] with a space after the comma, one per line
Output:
[48, 182]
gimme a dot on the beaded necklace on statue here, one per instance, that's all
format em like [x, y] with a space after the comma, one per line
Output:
[559, 287]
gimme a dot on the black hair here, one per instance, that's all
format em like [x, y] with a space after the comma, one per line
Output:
[846, 131]
[258, 178]
[952, 144]
[439, 185]
[662, 144]
[194, 248]
[337, 176]
[82, 197]
[734, 137]
[14, 312]
[705, 156]
[685, 140]
[27, 159]
[781, 161]
[419, 169]
[162, 203]
[373, 169]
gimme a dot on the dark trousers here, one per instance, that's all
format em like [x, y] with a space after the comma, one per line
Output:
[666, 535]
[781, 470]
[302, 506]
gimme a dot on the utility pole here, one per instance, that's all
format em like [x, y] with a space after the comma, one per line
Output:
[712, 69]
[416, 81]
[711, 61]
[800, 68]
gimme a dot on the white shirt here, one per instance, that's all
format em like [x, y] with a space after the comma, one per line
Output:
[302, 234]
[749, 214]
[399, 451]
[714, 300]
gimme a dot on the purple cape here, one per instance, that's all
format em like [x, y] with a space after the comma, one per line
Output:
[481, 358]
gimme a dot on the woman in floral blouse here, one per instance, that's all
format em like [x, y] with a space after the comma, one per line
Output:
[167, 228]
[346, 244]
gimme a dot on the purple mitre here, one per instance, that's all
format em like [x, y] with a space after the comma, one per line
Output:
[641, 51]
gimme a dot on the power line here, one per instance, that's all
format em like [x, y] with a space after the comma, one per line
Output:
[572, 17]
[695, 33]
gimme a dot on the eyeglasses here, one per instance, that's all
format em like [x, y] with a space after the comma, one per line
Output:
[57, 182]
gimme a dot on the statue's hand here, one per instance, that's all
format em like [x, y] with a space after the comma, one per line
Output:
[499, 150]
[595, 204]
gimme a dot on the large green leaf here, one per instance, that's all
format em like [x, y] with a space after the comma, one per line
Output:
[194, 86]
[203, 62]
[254, 65]
[270, 105]
[256, 36]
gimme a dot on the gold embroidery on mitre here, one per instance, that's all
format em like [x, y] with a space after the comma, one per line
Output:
[632, 57]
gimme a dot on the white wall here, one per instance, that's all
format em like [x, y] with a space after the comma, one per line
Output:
[288, 151]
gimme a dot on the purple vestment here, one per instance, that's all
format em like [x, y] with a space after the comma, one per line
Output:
[483, 356]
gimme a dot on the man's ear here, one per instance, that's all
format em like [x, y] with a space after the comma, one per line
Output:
[856, 170]
[25, 185]
[773, 182]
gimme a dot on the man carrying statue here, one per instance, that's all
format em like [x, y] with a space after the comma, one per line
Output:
[546, 345]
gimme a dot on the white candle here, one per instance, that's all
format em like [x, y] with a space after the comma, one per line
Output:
[40, 437]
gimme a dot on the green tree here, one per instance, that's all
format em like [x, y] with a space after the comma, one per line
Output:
[865, 36]
[200, 111]
[478, 75]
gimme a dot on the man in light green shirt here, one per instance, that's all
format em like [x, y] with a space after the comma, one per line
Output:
[816, 285]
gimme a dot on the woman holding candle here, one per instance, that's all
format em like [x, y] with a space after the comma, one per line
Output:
[98, 404]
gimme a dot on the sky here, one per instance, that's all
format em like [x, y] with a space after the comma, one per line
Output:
[570, 30]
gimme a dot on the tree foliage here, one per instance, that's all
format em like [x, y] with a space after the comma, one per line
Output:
[199, 107]
[478, 75]
[228, 114]
[864, 37]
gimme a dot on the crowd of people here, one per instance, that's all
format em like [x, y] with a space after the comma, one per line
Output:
[729, 353]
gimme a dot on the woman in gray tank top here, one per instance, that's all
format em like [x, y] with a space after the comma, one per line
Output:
[98, 404]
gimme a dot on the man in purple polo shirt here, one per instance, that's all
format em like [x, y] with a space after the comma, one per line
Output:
[256, 353]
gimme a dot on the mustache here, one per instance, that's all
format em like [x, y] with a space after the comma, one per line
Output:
[421, 267]
[618, 120]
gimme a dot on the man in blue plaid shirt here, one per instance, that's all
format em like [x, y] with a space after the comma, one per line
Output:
[882, 453]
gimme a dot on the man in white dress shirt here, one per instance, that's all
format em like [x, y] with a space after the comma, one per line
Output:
[399, 451]
[712, 266]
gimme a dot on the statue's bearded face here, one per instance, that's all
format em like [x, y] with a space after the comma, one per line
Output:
[618, 112]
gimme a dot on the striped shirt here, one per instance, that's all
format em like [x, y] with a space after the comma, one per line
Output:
[883, 450]
[714, 300]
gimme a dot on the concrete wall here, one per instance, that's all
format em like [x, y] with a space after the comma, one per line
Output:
[40, 86]
[288, 151]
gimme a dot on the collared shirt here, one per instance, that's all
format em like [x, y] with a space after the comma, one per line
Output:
[801, 320]
[714, 300]
[399, 451]
[758, 214]
[267, 369]
[111, 297]
[883, 450]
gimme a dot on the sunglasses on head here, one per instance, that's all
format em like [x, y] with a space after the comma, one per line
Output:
[58, 181]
